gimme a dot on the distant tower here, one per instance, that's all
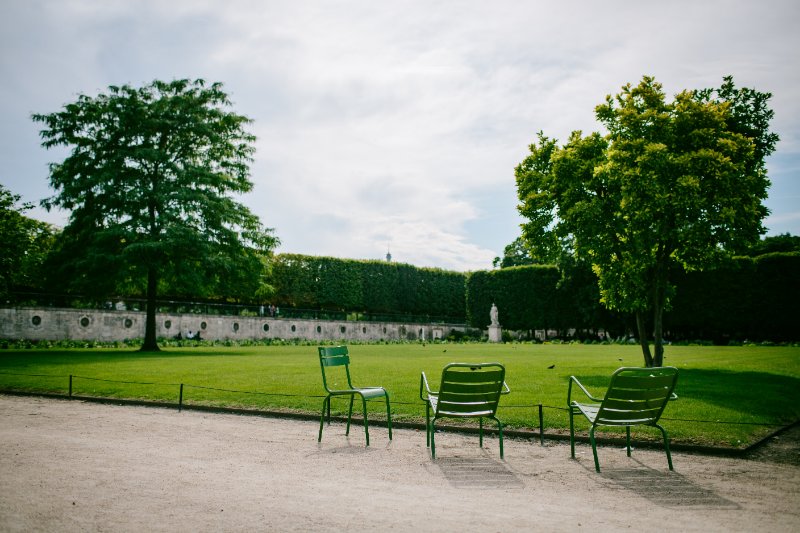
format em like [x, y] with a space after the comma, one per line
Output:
[388, 255]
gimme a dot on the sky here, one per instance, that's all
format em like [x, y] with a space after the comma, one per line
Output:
[395, 126]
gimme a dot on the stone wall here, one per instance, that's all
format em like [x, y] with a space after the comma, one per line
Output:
[34, 323]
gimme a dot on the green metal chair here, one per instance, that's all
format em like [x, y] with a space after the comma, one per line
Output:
[338, 356]
[635, 397]
[467, 390]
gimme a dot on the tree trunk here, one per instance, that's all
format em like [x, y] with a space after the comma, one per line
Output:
[658, 334]
[659, 302]
[150, 343]
[641, 327]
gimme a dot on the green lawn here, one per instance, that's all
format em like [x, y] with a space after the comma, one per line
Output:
[742, 392]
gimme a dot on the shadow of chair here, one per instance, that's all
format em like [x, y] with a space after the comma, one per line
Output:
[478, 472]
[665, 489]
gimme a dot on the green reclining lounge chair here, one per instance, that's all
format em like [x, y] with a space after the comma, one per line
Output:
[467, 390]
[635, 397]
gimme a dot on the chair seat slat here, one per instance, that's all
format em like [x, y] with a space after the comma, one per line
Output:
[638, 394]
[335, 360]
[641, 381]
[467, 376]
[462, 397]
[473, 388]
[632, 405]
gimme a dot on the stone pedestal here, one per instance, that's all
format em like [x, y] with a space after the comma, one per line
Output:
[495, 333]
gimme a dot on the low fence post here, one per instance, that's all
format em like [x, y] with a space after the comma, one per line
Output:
[541, 426]
[70, 385]
[180, 399]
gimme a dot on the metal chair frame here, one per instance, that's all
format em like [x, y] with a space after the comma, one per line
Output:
[467, 390]
[635, 397]
[332, 356]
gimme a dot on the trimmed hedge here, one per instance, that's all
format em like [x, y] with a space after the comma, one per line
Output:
[375, 287]
[744, 299]
[537, 298]
[525, 296]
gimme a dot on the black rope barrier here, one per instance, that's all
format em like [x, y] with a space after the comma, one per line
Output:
[539, 407]
[126, 382]
[34, 375]
[253, 392]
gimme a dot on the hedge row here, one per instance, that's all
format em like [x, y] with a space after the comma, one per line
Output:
[367, 286]
[536, 298]
[745, 298]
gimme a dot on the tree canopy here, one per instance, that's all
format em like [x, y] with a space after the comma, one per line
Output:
[775, 244]
[672, 184]
[24, 244]
[150, 182]
[514, 254]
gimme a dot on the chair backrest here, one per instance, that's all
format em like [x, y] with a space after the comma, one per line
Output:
[334, 356]
[637, 396]
[470, 390]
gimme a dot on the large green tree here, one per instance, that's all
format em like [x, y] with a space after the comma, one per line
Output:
[150, 181]
[672, 184]
[514, 254]
[24, 245]
[775, 244]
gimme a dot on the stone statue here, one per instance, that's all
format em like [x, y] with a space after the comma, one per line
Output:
[493, 315]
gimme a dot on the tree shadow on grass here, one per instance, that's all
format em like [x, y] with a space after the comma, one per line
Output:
[763, 395]
[742, 391]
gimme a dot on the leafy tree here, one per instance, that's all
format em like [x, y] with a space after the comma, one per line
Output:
[150, 181]
[783, 243]
[515, 254]
[24, 244]
[673, 184]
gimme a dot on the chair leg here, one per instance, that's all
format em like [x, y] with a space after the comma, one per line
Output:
[666, 446]
[480, 431]
[329, 410]
[594, 449]
[628, 439]
[433, 438]
[500, 432]
[388, 416]
[349, 415]
[327, 401]
[571, 434]
[427, 424]
[366, 424]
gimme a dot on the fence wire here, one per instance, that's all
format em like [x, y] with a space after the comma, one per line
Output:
[71, 377]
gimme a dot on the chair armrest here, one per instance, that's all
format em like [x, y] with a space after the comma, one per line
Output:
[423, 382]
[586, 392]
[505, 390]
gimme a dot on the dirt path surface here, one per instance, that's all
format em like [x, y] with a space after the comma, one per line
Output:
[77, 466]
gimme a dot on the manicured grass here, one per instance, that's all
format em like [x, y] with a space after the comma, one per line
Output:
[728, 395]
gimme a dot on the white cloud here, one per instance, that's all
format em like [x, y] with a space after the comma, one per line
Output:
[392, 124]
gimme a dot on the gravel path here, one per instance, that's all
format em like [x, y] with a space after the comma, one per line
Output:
[78, 466]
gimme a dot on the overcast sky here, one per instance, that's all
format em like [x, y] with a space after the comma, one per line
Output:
[395, 125]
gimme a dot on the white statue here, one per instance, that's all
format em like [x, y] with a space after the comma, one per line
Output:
[493, 315]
